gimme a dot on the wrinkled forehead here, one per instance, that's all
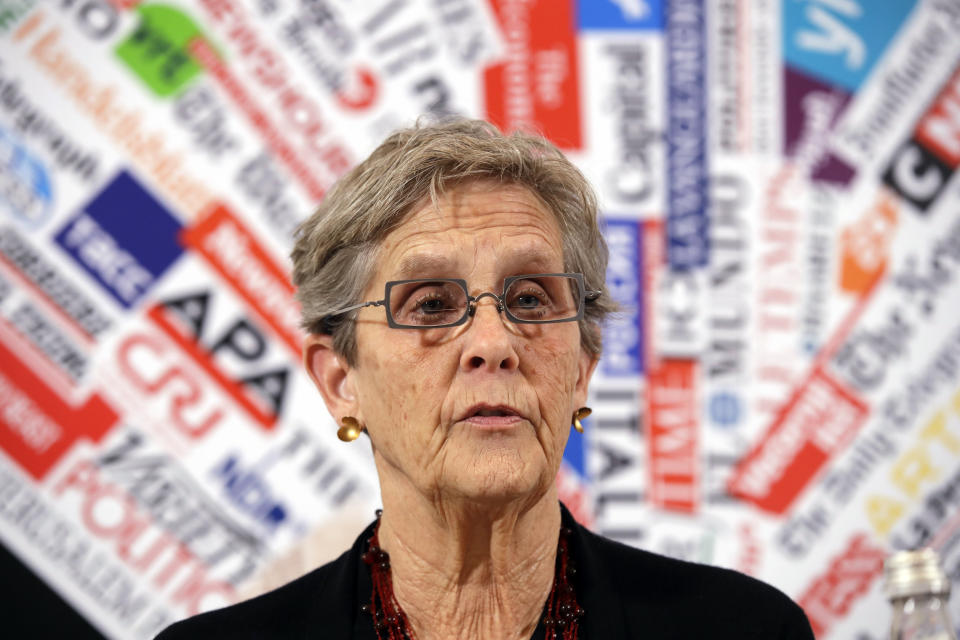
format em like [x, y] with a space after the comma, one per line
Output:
[480, 226]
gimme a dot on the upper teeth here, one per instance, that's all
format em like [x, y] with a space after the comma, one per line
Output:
[490, 412]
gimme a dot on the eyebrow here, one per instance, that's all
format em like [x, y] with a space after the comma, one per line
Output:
[433, 265]
[536, 261]
[419, 264]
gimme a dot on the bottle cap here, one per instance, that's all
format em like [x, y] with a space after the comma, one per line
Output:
[913, 573]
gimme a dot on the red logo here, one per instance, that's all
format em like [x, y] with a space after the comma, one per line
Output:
[536, 88]
[359, 93]
[847, 580]
[38, 426]
[673, 442]
[238, 256]
[819, 420]
[939, 128]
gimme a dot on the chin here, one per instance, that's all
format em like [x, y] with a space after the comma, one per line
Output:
[500, 477]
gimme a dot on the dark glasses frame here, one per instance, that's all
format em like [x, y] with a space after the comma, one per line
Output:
[585, 296]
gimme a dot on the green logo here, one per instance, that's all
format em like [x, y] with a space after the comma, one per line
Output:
[157, 50]
[11, 12]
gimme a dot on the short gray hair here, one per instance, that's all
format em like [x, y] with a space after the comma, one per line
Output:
[336, 247]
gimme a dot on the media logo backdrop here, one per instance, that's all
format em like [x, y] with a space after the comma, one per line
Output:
[780, 394]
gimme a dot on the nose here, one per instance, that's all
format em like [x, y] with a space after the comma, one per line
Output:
[488, 344]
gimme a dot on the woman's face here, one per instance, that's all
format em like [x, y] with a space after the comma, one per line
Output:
[482, 410]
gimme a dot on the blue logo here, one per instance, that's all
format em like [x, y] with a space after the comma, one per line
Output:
[686, 219]
[250, 493]
[124, 238]
[840, 42]
[724, 409]
[25, 190]
[623, 333]
[620, 14]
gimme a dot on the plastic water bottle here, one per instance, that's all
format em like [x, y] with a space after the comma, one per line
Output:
[919, 592]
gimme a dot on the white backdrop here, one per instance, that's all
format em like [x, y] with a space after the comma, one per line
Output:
[781, 394]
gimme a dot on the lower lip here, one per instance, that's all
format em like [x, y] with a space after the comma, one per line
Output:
[494, 423]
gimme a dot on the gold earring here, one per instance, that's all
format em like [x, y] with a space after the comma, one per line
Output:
[350, 430]
[580, 414]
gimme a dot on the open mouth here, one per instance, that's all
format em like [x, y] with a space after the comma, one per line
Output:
[493, 413]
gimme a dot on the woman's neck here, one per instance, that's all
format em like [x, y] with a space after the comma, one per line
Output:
[471, 571]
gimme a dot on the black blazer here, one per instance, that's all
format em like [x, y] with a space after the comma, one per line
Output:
[625, 593]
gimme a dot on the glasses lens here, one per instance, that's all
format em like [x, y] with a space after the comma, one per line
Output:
[427, 303]
[543, 298]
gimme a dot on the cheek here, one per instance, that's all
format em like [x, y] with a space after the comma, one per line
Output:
[554, 359]
[401, 389]
[553, 370]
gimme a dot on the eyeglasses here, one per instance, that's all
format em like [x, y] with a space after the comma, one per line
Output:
[430, 303]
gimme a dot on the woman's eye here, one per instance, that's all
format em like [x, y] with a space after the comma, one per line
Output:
[531, 299]
[431, 306]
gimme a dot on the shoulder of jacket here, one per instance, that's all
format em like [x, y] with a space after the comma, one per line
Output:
[298, 600]
[648, 573]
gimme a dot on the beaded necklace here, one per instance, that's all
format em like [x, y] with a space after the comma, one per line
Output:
[561, 613]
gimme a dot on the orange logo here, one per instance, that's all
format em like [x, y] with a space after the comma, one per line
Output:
[864, 246]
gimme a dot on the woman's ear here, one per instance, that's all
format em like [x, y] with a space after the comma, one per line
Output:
[330, 373]
[585, 367]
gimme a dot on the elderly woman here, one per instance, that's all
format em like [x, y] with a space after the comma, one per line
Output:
[453, 288]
